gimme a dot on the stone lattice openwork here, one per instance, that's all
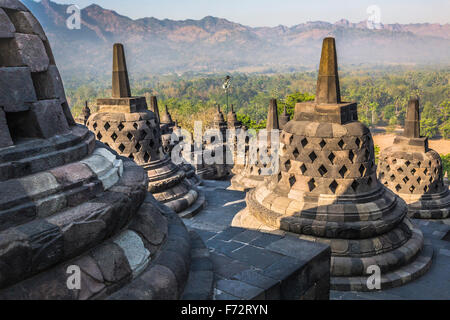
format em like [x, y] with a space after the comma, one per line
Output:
[328, 191]
[125, 124]
[414, 171]
[254, 172]
[67, 202]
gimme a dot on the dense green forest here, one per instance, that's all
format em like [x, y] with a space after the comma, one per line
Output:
[382, 95]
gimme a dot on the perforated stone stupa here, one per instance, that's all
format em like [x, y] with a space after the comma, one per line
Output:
[254, 172]
[125, 124]
[414, 171]
[68, 203]
[328, 191]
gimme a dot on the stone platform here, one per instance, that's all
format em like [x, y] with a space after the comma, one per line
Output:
[256, 265]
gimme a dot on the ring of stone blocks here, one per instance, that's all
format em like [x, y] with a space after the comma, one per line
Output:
[132, 135]
[49, 232]
[123, 264]
[415, 173]
[284, 214]
[29, 79]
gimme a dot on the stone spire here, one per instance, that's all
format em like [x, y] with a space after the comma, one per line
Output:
[232, 119]
[154, 107]
[272, 116]
[166, 117]
[284, 118]
[328, 89]
[412, 122]
[86, 112]
[219, 118]
[120, 81]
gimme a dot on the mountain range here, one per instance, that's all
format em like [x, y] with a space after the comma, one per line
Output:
[218, 45]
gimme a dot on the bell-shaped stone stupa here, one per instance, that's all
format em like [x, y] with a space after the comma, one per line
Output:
[125, 124]
[328, 191]
[414, 171]
[254, 172]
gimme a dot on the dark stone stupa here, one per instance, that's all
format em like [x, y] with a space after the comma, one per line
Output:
[125, 124]
[414, 171]
[328, 191]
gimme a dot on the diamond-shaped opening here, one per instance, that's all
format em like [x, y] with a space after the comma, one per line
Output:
[367, 154]
[322, 170]
[95, 126]
[312, 184]
[425, 171]
[400, 170]
[362, 170]
[303, 168]
[131, 157]
[292, 180]
[392, 178]
[114, 136]
[148, 123]
[419, 164]
[343, 171]
[146, 157]
[419, 180]
[412, 189]
[388, 168]
[358, 142]
[331, 157]
[280, 176]
[341, 144]
[355, 185]
[121, 147]
[351, 156]
[296, 153]
[259, 171]
[107, 126]
[129, 136]
[120, 126]
[333, 186]
[313, 156]
[407, 163]
[426, 189]
[144, 134]
[322, 144]
[138, 147]
[99, 136]
[304, 142]
[435, 170]
[398, 187]
[394, 161]
[287, 165]
[413, 171]
[135, 125]
[405, 179]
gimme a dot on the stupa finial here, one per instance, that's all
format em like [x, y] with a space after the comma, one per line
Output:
[120, 81]
[412, 121]
[328, 88]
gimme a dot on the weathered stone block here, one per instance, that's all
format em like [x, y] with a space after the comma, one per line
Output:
[50, 119]
[32, 52]
[6, 27]
[16, 89]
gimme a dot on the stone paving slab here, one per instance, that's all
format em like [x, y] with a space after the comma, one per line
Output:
[245, 266]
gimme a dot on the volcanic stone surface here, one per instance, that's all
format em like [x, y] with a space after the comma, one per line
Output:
[328, 191]
[125, 124]
[76, 219]
[414, 171]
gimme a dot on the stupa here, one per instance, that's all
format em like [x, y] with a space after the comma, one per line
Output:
[125, 124]
[254, 172]
[414, 171]
[71, 208]
[328, 191]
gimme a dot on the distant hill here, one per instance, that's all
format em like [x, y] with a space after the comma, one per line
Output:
[214, 45]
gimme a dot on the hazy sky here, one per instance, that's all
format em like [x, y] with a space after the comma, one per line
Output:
[276, 12]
